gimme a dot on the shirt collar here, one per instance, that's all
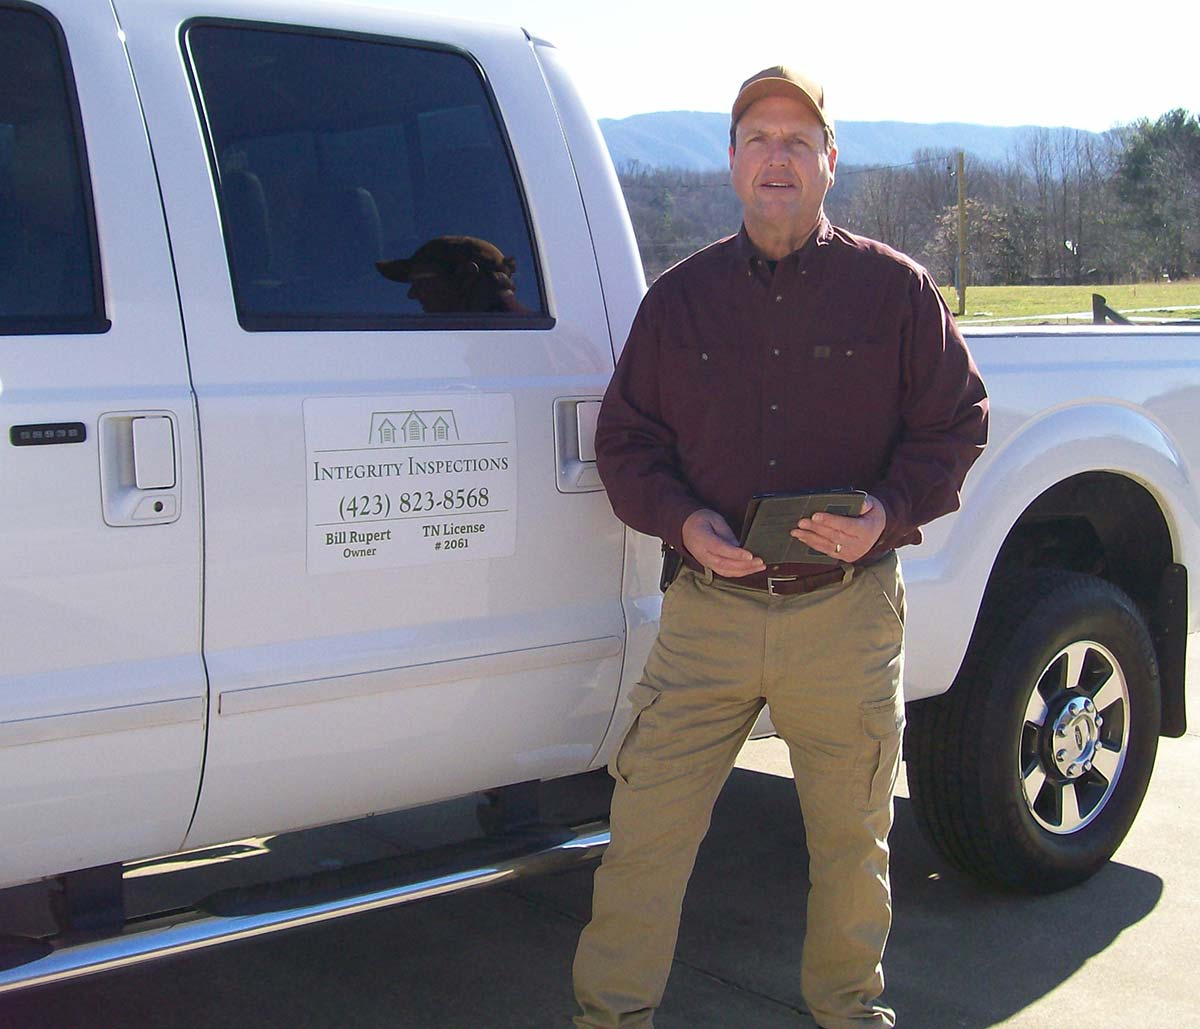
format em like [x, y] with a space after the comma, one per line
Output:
[748, 253]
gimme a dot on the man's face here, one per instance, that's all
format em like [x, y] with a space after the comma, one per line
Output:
[435, 291]
[780, 167]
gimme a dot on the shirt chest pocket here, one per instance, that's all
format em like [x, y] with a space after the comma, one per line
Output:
[846, 349]
[702, 388]
[702, 366]
[854, 359]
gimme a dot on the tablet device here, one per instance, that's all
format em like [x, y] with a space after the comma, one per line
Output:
[770, 518]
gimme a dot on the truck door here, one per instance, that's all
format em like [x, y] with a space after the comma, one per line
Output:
[102, 689]
[412, 576]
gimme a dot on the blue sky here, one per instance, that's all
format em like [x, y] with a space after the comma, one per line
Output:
[1015, 62]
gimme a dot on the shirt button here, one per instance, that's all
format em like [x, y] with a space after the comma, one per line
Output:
[704, 357]
[774, 407]
[771, 463]
[777, 299]
[775, 351]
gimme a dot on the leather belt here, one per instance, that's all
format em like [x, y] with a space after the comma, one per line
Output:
[792, 585]
[779, 584]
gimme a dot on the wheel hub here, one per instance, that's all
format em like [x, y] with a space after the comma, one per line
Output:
[1075, 735]
[1074, 738]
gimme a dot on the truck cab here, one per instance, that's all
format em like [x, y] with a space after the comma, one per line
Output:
[285, 542]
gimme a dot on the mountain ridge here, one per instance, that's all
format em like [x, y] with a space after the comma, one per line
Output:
[699, 140]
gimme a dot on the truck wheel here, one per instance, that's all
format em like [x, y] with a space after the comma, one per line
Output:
[1029, 772]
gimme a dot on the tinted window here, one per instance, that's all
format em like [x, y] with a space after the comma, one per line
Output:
[48, 265]
[361, 183]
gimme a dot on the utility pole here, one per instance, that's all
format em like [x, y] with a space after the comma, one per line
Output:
[962, 237]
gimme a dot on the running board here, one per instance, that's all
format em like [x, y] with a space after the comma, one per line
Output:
[249, 913]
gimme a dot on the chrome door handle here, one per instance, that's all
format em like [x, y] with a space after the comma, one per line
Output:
[575, 444]
[153, 452]
[139, 461]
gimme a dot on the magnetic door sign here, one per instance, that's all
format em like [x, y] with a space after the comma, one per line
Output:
[410, 480]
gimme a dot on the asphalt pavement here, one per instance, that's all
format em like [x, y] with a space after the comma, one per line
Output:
[1121, 950]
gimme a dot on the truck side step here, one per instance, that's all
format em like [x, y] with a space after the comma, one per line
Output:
[256, 911]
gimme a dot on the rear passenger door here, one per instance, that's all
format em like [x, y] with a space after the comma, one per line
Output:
[102, 690]
[412, 576]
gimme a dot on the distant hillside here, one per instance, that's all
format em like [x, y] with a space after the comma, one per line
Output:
[699, 140]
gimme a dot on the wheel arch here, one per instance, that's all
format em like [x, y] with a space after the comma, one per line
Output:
[1108, 525]
[1099, 489]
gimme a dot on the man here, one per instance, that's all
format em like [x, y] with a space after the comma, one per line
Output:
[457, 275]
[793, 356]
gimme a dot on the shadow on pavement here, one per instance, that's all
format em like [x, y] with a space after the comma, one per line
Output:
[959, 955]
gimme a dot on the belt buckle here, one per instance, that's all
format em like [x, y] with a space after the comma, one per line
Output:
[772, 579]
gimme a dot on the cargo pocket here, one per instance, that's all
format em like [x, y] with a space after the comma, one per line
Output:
[882, 725]
[642, 696]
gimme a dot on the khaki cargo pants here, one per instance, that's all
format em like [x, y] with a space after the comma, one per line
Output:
[829, 665]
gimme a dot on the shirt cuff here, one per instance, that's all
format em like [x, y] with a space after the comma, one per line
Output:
[673, 523]
[896, 529]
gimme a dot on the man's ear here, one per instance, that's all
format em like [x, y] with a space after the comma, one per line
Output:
[731, 157]
[833, 156]
[466, 273]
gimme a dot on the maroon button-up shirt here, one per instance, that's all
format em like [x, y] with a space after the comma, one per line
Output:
[839, 367]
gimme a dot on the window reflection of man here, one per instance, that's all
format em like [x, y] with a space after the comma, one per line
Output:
[458, 274]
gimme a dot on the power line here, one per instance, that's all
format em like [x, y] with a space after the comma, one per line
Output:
[859, 170]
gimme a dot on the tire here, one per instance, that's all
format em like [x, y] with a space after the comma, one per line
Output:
[1029, 772]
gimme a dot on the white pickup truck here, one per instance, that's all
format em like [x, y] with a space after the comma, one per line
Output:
[285, 541]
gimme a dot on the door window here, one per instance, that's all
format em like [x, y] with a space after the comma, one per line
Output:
[362, 184]
[49, 262]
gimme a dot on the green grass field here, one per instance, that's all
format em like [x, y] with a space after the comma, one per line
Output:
[1060, 305]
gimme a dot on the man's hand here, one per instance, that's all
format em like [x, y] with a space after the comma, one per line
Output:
[840, 536]
[709, 540]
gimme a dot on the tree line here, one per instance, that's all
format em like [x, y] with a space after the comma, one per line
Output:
[1064, 207]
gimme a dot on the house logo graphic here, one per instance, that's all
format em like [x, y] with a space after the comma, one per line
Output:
[407, 428]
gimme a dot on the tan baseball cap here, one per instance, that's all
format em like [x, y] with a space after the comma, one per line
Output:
[443, 255]
[781, 81]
